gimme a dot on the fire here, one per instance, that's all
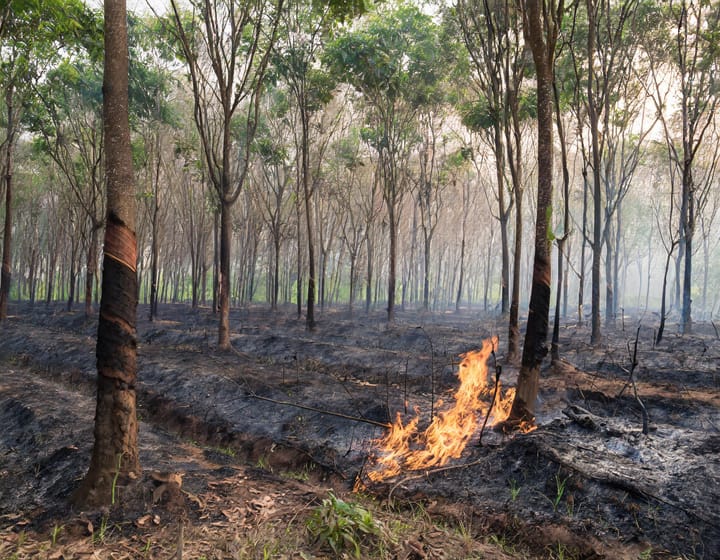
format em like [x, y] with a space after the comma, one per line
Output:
[404, 448]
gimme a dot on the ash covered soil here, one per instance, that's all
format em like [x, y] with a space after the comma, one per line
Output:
[240, 448]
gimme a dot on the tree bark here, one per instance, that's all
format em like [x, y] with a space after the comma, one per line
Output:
[305, 171]
[115, 457]
[224, 276]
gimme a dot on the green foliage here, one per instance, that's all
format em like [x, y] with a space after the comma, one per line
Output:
[478, 115]
[343, 10]
[398, 53]
[342, 525]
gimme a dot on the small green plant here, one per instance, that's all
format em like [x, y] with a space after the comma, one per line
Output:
[559, 552]
[263, 463]
[501, 542]
[342, 525]
[229, 451]
[560, 483]
[570, 505]
[115, 479]
[559, 490]
[645, 554]
[302, 475]
[514, 489]
[55, 533]
[101, 533]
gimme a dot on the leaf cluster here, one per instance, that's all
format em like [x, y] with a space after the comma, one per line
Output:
[342, 525]
[396, 53]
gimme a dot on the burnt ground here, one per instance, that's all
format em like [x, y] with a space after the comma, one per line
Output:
[239, 448]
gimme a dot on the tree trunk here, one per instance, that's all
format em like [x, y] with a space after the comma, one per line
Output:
[216, 260]
[461, 272]
[595, 335]
[541, 34]
[276, 275]
[583, 244]
[368, 283]
[609, 287]
[663, 305]
[155, 250]
[514, 322]
[305, 171]
[688, 225]
[115, 452]
[392, 265]
[561, 275]
[6, 274]
[90, 270]
[224, 276]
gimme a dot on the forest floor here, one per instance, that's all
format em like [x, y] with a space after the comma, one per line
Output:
[243, 450]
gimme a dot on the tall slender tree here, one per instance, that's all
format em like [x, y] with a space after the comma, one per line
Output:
[115, 451]
[30, 37]
[226, 45]
[541, 25]
[493, 37]
[394, 60]
[693, 50]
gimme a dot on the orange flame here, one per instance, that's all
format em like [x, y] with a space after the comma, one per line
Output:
[403, 448]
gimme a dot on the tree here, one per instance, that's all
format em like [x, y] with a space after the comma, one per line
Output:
[690, 39]
[226, 46]
[541, 24]
[69, 121]
[493, 38]
[393, 59]
[304, 26]
[612, 68]
[115, 451]
[30, 36]
[150, 81]
[271, 190]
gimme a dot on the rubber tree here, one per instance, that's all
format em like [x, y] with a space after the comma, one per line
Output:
[271, 189]
[609, 72]
[391, 58]
[541, 24]
[687, 49]
[344, 167]
[304, 30]
[69, 121]
[115, 459]
[153, 117]
[32, 35]
[226, 45]
[493, 37]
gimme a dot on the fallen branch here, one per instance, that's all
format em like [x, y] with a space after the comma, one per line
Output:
[631, 380]
[621, 482]
[320, 410]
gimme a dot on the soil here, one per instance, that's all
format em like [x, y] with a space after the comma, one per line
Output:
[239, 449]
